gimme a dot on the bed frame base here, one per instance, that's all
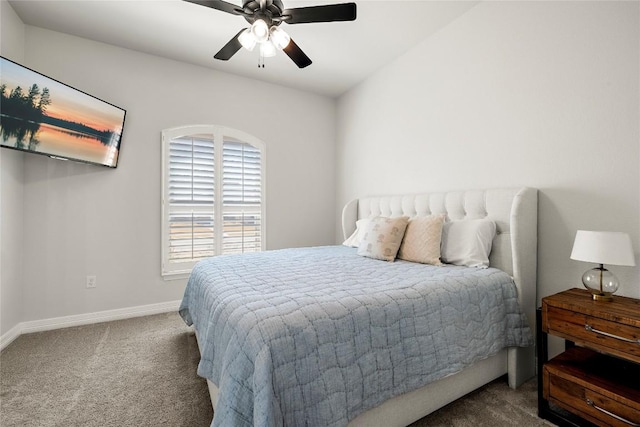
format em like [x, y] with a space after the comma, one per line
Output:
[403, 410]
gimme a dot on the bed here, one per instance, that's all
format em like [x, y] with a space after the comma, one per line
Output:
[323, 336]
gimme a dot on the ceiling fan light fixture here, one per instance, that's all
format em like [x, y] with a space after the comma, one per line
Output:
[260, 30]
[279, 37]
[265, 17]
[267, 49]
[247, 39]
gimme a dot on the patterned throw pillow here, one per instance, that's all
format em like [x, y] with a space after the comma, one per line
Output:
[382, 237]
[422, 239]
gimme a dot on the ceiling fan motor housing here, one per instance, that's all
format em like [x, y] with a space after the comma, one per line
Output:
[270, 11]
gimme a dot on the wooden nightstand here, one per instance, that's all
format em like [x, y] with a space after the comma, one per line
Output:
[597, 378]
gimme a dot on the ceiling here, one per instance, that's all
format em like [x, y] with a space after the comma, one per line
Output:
[343, 53]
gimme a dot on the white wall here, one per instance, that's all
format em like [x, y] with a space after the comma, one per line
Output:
[539, 94]
[11, 192]
[84, 219]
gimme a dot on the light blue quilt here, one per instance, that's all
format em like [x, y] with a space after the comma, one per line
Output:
[315, 336]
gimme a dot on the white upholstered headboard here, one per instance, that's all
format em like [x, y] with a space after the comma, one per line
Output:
[514, 210]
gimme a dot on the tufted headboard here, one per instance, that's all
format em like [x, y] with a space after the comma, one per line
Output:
[514, 210]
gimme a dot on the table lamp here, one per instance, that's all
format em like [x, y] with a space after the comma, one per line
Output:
[602, 247]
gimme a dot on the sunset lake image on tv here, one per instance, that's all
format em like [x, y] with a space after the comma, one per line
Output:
[41, 115]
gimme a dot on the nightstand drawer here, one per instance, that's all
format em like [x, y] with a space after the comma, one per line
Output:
[591, 405]
[579, 381]
[601, 334]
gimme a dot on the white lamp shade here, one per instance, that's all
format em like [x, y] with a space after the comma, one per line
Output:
[603, 247]
[267, 49]
[279, 37]
[247, 39]
[260, 30]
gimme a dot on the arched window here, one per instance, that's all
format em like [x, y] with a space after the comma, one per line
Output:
[212, 195]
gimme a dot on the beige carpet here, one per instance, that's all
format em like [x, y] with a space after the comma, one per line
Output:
[141, 372]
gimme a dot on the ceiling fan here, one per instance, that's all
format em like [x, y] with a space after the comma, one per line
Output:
[265, 17]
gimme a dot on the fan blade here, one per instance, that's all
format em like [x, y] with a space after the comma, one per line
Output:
[218, 5]
[326, 13]
[230, 48]
[296, 54]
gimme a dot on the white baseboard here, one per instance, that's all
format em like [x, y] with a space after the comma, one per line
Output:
[10, 335]
[85, 319]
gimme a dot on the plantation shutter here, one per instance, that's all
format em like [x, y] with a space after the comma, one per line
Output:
[191, 198]
[213, 195]
[241, 197]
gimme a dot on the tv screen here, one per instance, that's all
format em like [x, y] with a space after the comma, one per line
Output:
[44, 116]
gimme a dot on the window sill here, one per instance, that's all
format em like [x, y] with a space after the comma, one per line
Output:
[175, 276]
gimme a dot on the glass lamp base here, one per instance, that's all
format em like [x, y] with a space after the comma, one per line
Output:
[601, 283]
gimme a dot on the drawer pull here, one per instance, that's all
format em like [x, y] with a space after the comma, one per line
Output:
[617, 417]
[592, 329]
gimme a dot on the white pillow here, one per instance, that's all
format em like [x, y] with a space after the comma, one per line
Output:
[422, 240]
[355, 238]
[382, 237]
[468, 242]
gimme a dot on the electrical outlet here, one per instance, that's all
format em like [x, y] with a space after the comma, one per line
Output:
[91, 282]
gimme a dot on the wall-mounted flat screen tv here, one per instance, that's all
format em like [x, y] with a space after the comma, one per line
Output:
[44, 116]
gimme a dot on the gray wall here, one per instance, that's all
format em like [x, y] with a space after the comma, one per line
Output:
[84, 220]
[529, 93]
[11, 193]
[539, 94]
